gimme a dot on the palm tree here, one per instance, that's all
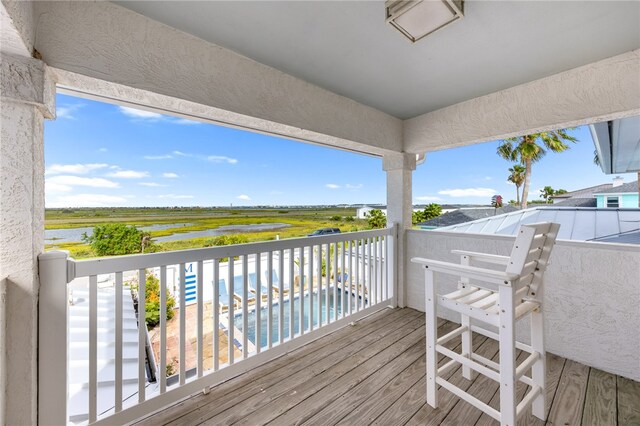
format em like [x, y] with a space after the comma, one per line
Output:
[547, 192]
[517, 178]
[528, 149]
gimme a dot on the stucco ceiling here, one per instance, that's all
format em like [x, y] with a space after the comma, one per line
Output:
[347, 47]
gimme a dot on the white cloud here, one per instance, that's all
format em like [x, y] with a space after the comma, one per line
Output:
[243, 197]
[176, 196]
[332, 186]
[52, 187]
[428, 198]
[158, 157]
[152, 117]
[185, 122]
[170, 175]
[221, 159]
[182, 154]
[151, 184]
[75, 169]
[81, 181]
[128, 174]
[468, 192]
[353, 186]
[87, 200]
[140, 114]
[66, 111]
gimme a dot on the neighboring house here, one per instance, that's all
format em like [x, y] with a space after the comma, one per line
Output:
[464, 215]
[584, 193]
[625, 196]
[576, 202]
[577, 224]
[361, 213]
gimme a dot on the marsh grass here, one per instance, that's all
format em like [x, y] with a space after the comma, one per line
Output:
[302, 222]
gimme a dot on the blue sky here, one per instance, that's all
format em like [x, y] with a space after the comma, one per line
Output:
[102, 155]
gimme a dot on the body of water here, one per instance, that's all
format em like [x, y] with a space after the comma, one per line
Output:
[72, 235]
[222, 230]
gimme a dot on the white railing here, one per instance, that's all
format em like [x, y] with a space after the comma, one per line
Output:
[252, 303]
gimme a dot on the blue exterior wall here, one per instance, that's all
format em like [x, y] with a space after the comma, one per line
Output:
[628, 200]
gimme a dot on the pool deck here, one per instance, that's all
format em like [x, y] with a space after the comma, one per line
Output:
[373, 372]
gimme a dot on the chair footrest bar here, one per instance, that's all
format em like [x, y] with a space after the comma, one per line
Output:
[458, 331]
[494, 336]
[469, 363]
[469, 398]
[486, 361]
[527, 400]
[526, 364]
[447, 367]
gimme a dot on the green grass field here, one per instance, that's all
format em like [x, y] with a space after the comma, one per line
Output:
[303, 221]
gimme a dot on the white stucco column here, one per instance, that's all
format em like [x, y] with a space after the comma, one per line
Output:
[27, 98]
[399, 168]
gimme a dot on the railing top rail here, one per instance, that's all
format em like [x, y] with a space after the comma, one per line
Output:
[83, 268]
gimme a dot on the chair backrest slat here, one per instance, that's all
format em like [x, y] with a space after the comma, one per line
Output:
[533, 244]
[530, 253]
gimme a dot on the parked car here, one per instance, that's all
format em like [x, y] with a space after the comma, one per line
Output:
[324, 231]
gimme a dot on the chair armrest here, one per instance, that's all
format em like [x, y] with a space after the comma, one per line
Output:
[472, 272]
[483, 257]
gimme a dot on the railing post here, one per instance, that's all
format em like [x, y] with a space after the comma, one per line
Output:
[392, 262]
[3, 353]
[52, 339]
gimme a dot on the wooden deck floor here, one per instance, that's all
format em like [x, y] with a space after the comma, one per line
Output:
[374, 373]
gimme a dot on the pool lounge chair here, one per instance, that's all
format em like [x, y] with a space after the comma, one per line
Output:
[275, 281]
[223, 295]
[238, 288]
[253, 286]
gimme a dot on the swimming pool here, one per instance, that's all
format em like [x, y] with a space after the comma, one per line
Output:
[275, 337]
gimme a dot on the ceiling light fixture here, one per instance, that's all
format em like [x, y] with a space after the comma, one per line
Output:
[418, 18]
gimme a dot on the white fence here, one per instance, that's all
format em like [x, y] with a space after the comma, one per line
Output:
[251, 303]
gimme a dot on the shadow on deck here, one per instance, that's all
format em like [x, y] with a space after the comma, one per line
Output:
[374, 373]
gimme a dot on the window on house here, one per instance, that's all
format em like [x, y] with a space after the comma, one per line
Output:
[613, 202]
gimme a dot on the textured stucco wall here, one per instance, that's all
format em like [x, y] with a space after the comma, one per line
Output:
[26, 99]
[399, 168]
[17, 28]
[592, 294]
[595, 92]
[108, 42]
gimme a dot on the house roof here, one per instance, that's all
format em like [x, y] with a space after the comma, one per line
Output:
[577, 202]
[466, 215]
[624, 188]
[576, 223]
[584, 192]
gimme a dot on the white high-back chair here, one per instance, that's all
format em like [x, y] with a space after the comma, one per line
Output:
[505, 297]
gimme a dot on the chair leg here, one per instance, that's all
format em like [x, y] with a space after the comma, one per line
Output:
[507, 357]
[539, 370]
[431, 321]
[467, 347]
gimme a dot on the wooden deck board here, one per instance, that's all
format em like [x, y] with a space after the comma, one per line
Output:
[600, 403]
[568, 403]
[628, 402]
[228, 393]
[373, 373]
[350, 383]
